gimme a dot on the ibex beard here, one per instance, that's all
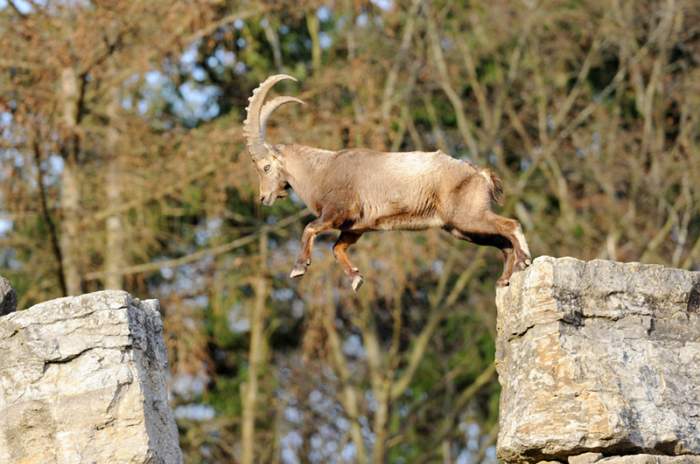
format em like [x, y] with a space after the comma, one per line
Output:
[359, 190]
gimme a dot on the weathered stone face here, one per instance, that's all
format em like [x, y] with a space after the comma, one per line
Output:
[598, 458]
[82, 380]
[598, 357]
[650, 459]
[8, 297]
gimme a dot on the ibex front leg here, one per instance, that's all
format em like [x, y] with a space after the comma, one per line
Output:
[340, 252]
[311, 230]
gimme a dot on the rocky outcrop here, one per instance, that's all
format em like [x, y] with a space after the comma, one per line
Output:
[8, 297]
[82, 380]
[599, 362]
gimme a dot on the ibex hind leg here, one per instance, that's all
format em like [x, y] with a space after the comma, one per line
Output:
[494, 240]
[491, 229]
[511, 229]
[523, 243]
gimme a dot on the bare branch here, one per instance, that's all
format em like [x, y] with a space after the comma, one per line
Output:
[196, 256]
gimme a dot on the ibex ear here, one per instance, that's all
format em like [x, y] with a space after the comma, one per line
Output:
[275, 152]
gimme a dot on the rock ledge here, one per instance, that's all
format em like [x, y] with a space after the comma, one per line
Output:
[599, 357]
[82, 380]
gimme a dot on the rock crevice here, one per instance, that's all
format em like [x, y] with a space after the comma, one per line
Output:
[8, 297]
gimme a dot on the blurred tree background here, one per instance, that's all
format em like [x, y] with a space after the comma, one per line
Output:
[122, 166]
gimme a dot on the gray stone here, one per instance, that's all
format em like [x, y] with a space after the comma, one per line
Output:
[8, 297]
[585, 458]
[651, 459]
[82, 380]
[598, 357]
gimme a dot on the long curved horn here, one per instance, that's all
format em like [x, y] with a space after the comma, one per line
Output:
[251, 126]
[271, 106]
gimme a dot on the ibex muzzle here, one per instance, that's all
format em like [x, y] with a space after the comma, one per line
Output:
[360, 190]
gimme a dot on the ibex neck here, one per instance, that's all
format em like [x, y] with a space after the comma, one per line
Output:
[305, 168]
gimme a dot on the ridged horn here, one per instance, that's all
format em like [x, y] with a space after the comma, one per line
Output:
[270, 107]
[251, 127]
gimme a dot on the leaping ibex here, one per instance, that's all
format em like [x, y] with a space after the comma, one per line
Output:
[359, 190]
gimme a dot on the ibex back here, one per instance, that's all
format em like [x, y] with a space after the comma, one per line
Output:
[360, 190]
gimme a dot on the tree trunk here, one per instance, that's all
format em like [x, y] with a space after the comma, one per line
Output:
[313, 25]
[115, 258]
[381, 416]
[46, 213]
[349, 398]
[70, 186]
[256, 358]
[70, 205]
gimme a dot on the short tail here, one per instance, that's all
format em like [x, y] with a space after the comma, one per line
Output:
[495, 185]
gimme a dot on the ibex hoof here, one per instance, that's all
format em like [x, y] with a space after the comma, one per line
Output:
[502, 282]
[357, 282]
[297, 272]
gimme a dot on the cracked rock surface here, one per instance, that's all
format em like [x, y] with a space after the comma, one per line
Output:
[82, 380]
[599, 357]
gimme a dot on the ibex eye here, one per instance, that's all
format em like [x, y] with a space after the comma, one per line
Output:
[267, 168]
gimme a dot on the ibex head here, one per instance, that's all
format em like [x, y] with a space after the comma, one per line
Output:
[268, 162]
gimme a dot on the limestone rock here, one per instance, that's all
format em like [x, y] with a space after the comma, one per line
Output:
[651, 459]
[585, 458]
[629, 459]
[598, 357]
[8, 297]
[82, 380]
